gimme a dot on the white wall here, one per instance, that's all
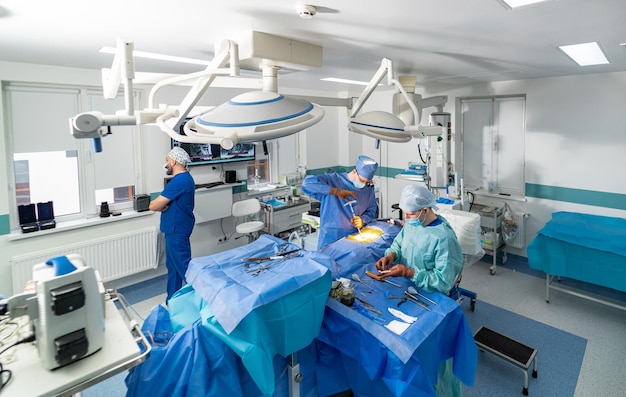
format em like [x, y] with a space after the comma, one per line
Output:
[575, 138]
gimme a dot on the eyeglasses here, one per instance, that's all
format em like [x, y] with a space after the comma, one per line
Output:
[359, 177]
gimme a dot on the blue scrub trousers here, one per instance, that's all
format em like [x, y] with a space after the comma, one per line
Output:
[177, 257]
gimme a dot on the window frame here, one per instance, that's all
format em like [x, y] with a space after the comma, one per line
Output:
[85, 162]
[491, 169]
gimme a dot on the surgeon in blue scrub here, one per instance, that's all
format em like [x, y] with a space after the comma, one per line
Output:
[428, 252]
[177, 220]
[334, 191]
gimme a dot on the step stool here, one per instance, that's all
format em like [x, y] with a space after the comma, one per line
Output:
[508, 349]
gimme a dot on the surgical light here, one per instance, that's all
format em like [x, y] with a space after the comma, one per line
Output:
[250, 117]
[380, 125]
[389, 127]
[255, 115]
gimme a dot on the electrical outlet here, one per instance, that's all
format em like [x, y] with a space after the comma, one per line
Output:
[222, 240]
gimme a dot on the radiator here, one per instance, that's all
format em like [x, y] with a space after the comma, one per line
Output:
[113, 257]
[519, 241]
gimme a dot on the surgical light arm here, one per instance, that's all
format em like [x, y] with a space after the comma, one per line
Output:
[386, 126]
[293, 115]
[385, 68]
[90, 124]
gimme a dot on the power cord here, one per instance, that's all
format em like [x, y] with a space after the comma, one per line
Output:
[19, 342]
[6, 373]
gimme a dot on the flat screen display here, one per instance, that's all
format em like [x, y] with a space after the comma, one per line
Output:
[206, 153]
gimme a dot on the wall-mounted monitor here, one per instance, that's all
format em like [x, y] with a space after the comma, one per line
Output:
[206, 153]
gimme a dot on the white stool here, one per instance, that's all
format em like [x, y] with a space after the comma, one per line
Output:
[246, 208]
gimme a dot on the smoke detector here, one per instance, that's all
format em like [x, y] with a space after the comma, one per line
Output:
[305, 11]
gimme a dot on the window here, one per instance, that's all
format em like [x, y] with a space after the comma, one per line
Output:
[493, 143]
[51, 165]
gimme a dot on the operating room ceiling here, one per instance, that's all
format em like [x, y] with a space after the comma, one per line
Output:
[450, 42]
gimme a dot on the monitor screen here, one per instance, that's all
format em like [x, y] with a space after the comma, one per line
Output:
[206, 153]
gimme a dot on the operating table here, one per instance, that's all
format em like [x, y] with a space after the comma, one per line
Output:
[236, 334]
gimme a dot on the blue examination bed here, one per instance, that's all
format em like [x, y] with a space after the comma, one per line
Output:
[232, 334]
[583, 247]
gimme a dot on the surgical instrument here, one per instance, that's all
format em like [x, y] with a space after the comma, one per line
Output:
[369, 306]
[279, 255]
[401, 298]
[256, 271]
[414, 292]
[379, 278]
[416, 300]
[356, 277]
[349, 204]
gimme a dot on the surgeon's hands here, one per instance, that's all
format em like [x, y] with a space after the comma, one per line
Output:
[343, 193]
[357, 222]
[385, 262]
[398, 271]
[386, 267]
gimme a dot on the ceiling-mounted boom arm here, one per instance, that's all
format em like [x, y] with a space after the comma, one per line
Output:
[386, 126]
[386, 68]
[250, 117]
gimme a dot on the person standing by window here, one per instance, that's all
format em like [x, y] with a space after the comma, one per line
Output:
[176, 204]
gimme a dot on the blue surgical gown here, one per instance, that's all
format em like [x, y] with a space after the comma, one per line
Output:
[334, 215]
[177, 223]
[433, 252]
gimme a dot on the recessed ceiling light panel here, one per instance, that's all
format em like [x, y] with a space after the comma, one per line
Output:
[514, 4]
[585, 54]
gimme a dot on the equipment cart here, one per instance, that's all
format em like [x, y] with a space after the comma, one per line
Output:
[491, 222]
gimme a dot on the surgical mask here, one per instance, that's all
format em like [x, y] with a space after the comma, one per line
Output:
[358, 184]
[416, 221]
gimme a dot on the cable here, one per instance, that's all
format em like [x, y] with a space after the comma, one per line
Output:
[471, 201]
[3, 371]
[19, 342]
[222, 228]
[419, 151]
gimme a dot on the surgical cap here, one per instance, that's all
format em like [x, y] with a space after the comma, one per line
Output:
[366, 167]
[179, 155]
[415, 198]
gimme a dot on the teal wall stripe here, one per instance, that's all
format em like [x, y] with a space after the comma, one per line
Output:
[578, 196]
[569, 195]
[5, 227]
[380, 171]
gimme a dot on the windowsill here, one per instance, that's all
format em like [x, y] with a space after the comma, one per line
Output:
[78, 224]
